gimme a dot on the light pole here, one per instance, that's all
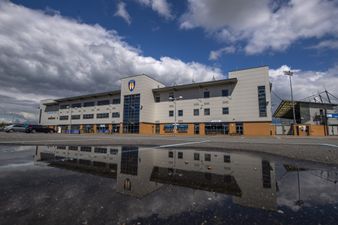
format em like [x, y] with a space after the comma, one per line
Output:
[290, 74]
[174, 100]
[70, 119]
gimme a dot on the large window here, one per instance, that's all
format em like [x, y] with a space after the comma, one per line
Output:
[115, 115]
[180, 112]
[88, 104]
[207, 112]
[88, 116]
[116, 101]
[168, 128]
[262, 101]
[131, 113]
[206, 94]
[100, 150]
[64, 117]
[76, 105]
[64, 106]
[225, 110]
[196, 112]
[182, 128]
[225, 92]
[171, 113]
[102, 115]
[157, 98]
[216, 128]
[103, 102]
[75, 117]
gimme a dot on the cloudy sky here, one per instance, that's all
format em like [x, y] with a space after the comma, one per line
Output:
[51, 49]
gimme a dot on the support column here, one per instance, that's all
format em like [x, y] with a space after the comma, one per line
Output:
[232, 128]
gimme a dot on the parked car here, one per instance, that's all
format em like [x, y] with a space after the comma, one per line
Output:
[15, 128]
[39, 128]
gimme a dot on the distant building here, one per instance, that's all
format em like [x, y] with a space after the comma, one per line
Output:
[240, 104]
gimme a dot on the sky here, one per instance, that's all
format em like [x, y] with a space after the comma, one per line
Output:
[53, 49]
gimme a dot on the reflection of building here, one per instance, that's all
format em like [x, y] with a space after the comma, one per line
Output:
[240, 104]
[139, 171]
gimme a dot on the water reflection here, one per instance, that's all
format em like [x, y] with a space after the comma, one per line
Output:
[249, 180]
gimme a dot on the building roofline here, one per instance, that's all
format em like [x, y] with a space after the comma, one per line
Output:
[137, 75]
[248, 68]
[196, 85]
[96, 95]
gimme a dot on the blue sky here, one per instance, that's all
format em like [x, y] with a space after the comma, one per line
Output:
[52, 49]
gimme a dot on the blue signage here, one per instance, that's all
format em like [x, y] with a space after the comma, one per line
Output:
[332, 115]
[131, 85]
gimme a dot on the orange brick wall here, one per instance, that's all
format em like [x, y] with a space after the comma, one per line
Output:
[147, 128]
[202, 129]
[317, 130]
[232, 128]
[258, 129]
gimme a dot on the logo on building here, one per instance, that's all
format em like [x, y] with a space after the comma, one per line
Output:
[131, 85]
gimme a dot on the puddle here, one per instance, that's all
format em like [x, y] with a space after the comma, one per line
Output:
[138, 185]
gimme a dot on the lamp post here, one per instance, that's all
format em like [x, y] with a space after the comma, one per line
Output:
[70, 119]
[174, 100]
[290, 74]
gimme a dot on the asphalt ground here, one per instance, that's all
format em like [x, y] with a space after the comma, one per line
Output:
[316, 149]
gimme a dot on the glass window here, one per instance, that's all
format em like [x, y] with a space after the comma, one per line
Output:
[206, 94]
[76, 105]
[116, 101]
[157, 98]
[171, 95]
[207, 157]
[262, 101]
[196, 112]
[225, 110]
[170, 154]
[196, 156]
[88, 104]
[182, 128]
[86, 149]
[115, 115]
[63, 117]
[103, 102]
[180, 155]
[168, 128]
[171, 113]
[76, 117]
[114, 151]
[225, 92]
[207, 112]
[180, 112]
[73, 148]
[100, 150]
[102, 115]
[227, 158]
[64, 106]
[88, 116]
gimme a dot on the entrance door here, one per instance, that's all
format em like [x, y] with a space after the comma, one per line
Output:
[196, 128]
[157, 128]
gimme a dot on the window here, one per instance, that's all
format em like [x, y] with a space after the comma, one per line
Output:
[171, 95]
[170, 154]
[207, 157]
[206, 94]
[88, 104]
[63, 117]
[182, 128]
[88, 116]
[262, 101]
[76, 105]
[103, 102]
[115, 115]
[114, 151]
[61, 147]
[196, 112]
[207, 112]
[227, 158]
[64, 106]
[157, 98]
[180, 155]
[225, 110]
[168, 128]
[180, 112]
[116, 101]
[171, 113]
[75, 117]
[100, 150]
[86, 149]
[196, 156]
[73, 148]
[225, 92]
[102, 115]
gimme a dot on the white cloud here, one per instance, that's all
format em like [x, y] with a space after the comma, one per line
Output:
[331, 44]
[264, 24]
[51, 56]
[122, 12]
[162, 7]
[215, 55]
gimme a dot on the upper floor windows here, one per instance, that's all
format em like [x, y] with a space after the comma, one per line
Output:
[115, 115]
[64, 106]
[88, 116]
[63, 117]
[171, 113]
[180, 112]
[157, 98]
[206, 94]
[225, 110]
[196, 112]
[116, 101]
[103, 102]
[75, 117]
[171, 95]
[225, 92]
[262, 101]
[102, 115]
[76, 105]
[88, 104]
[207, 112]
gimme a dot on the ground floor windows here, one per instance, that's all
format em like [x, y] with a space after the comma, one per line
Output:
[133, 128]
[196, 128]
[216, 128]
[88, 128]
[239, 128]
[102, 128]
[168, 128]
[116, 128]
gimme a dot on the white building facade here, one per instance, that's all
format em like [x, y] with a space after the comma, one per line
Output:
[239, 105]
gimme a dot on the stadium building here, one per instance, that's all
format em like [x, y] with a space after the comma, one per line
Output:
[239, 105]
